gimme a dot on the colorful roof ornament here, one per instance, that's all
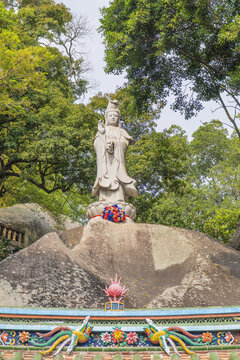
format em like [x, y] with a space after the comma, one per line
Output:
[115, 290]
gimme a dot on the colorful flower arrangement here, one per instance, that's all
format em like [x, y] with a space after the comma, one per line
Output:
[113, 213]
[120, 338]
[118, 335]
[132, 338]
[106, 338]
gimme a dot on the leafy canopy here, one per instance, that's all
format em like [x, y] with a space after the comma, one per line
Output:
[187, 48]
[45, 137]
[193, 185]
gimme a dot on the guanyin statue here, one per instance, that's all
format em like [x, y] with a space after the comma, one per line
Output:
[112, 184]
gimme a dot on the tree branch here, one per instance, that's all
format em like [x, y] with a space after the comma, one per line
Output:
[200, 61]
[229, 116]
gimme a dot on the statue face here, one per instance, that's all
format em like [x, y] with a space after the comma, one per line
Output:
[113, 118]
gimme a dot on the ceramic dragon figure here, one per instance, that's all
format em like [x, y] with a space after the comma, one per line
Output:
[171, 335]
[65, 336]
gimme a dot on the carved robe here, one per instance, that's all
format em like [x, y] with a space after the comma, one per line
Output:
[112, 181]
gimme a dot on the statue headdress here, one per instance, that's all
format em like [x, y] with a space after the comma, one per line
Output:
[112, 106]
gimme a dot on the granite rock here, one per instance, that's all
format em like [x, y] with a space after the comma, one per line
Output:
[25, 219]
[45, 275]
[235, 240]
[162, 267]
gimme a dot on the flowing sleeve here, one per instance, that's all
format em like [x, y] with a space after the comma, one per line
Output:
[102, 179]
[127, 136]
[120, 154]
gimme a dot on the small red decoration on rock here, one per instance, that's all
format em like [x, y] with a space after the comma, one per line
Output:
[115, 290]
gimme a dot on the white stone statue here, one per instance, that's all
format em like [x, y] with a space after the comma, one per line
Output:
[111, 143]
[112, 185]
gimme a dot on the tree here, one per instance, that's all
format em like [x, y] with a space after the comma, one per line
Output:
[209, 146]
[193, 185]
[159, 163]
[179, 47]
[59, 204]
[45, 137]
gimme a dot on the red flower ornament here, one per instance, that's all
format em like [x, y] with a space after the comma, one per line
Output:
[24, 336]
[207, 337]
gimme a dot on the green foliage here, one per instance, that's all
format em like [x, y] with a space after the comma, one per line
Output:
[190, 185]
[72, 203]
[48, 149]
[45, 137]
[187, 48]
[233, 356]
[18, 355]
[158, 161]
[209, 146]
[231, 31]
[223, 224]
[37, 356]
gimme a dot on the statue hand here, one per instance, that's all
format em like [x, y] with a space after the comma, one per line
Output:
[101, 126]
[110, 147]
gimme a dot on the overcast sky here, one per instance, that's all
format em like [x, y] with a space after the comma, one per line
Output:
[94, 49]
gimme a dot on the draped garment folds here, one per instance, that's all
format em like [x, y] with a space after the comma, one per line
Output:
[112, 181]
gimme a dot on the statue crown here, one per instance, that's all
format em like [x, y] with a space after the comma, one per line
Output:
[112, 106]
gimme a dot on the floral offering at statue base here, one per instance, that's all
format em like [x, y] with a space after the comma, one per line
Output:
[96, 209]
[114, 213]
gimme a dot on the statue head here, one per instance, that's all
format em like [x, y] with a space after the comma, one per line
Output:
[112, 114]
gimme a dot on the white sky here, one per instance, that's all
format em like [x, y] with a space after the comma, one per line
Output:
[107, 83]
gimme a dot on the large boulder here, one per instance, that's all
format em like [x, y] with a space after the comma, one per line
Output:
[162, 267]
[235, 240]
[25, 219]
[45, 275]
[72, 237]
[32, 221]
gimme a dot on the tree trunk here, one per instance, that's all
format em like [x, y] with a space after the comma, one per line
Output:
[235, 240]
